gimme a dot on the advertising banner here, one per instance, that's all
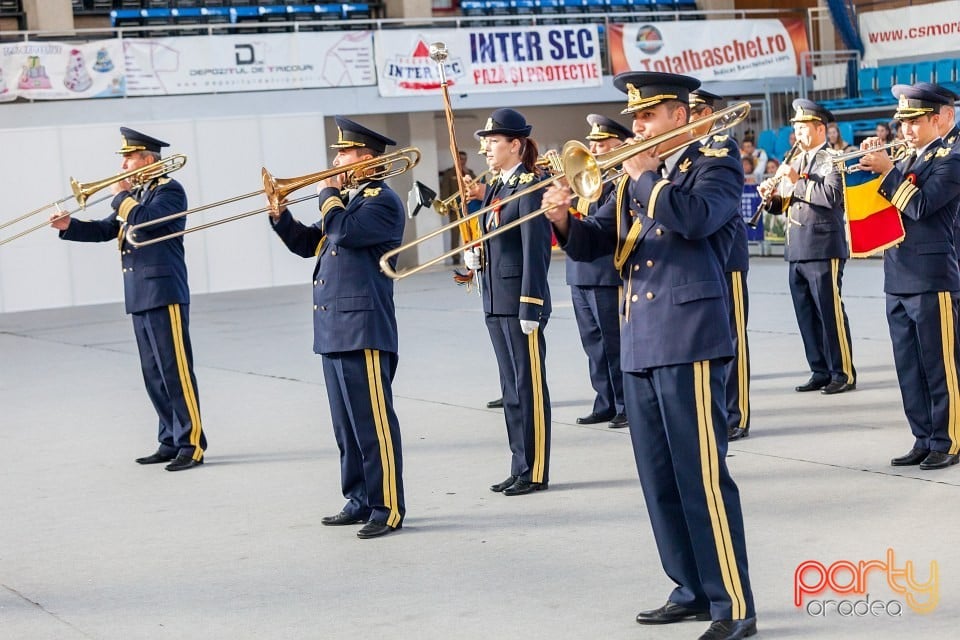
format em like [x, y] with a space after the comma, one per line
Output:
[917, 30]
[249, 62]
[61, 70]
[719, 50]
[485, 59]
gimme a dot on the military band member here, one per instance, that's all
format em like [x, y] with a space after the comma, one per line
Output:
[157, 297]
[668, 236]
[921, 277]
[516, 298]
[809, 192]
[703, 104]
[595, 291]
[355, 327]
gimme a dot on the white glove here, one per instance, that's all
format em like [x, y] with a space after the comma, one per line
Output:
[529, 326]
[471, 258]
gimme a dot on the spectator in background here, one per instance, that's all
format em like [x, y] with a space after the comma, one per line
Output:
[835, 141]
[749, 170]
[749, 148]
[448, 187]
[772, 165]
[884, 133]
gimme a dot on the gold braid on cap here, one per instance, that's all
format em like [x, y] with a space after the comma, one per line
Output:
[907, 111]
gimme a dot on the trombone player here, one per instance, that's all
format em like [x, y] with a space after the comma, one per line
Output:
[157, 297]
[808, 191]
[355, 326]
[668, 235]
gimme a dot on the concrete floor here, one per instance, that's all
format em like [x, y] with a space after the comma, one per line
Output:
[95, 546]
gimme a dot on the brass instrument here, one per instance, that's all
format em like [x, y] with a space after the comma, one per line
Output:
[774, 183]
[895, 148]
[582, 170]
[83, 190]
[277, 190]
[450, 204]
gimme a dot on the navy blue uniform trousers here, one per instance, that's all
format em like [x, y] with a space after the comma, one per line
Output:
[526, 401]
[815, 289]
[679, 432]
[923, 332]
[738, 369]
[597, 310]
[360, 391]
[166, 358]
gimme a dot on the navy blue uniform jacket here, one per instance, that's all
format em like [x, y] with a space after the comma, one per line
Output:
[739, 257]
[352, 298]
[520, 256]
[668, 237]
[153, 276]
[925, 261]
[599, 272]
[816, 203]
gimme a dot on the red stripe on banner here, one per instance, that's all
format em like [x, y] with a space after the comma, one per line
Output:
[880, 230]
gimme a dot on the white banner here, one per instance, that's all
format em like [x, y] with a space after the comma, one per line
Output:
[61, 70]
[717, 50]
[249, 62]
[926, 29]
[486, 59]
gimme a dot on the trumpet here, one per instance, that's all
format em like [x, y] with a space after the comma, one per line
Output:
[277, 190]
[449, 205]
[83, 190]
[765, 201]
[586, 175]
[894, 148]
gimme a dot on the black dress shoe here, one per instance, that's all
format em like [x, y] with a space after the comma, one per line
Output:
[813, 384]
[731, 629]
[495, 404]
[914, 456]
[671, 612]
[938, 460]
[182, 463]
[506, 484]
[523, 487]
[737, 433]
[595, 417]
[155, 458]
[341, 519]
[619, 421]
[838, 387]
[375, 530]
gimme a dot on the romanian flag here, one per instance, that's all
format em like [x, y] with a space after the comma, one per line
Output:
[873, 223]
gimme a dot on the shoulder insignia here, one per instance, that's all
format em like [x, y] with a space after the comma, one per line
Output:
[714, 153]
[834, 152]
[164, 180]
[943, 152]
[951, 139]
[927, 155]
[685, 165]
[524, 178]
[372, 192]
[719, 138]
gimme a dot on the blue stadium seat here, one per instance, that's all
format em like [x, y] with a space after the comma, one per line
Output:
[620, 6]
[904, 73]
[595, 6]
[524, 7]
[783, 141]
[886, 78]
[664, 9]
[846, 131]
[945, 71]
[923, 72]
[867, 81]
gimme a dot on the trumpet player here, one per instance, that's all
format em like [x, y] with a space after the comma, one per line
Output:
[808, 191]
[157, 297]
[355, 327]
[448, 187]
[921, 278]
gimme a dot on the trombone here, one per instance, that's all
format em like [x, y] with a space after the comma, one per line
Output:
[585, 174]
[840, 161]
[83, 190]
[277, 190]
[449, 205]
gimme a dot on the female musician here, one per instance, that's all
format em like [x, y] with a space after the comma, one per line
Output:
[516, 298]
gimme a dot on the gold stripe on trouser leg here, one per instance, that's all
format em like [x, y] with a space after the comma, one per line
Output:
[539, 419]
[948, 340]
[378, 408]
[846, 361]
[710, 473]
[186, 384]
[743, 373]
